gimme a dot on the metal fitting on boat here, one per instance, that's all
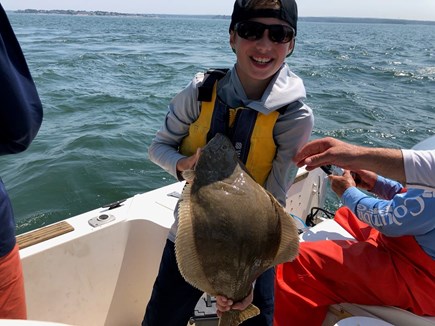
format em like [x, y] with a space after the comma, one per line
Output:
[101, 220]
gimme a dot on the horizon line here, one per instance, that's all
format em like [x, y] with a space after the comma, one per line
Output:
[212, 15]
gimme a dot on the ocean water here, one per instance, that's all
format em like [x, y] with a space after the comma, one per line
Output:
[105, 83]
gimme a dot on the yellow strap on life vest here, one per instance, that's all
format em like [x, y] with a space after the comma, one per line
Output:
[199, 129]
[263, 148]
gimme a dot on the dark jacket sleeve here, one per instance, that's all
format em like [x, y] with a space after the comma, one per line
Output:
[20, 106]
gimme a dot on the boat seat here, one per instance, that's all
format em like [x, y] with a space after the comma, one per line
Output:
[392, 315]
[330, 230]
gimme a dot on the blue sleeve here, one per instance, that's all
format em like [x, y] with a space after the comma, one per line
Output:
[386, 188]
[409, 213]
[20, 108]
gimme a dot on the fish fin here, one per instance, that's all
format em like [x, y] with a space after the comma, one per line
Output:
[188, 261]
[289, 244]
[186, 258]
[188, 175]
[236, 317]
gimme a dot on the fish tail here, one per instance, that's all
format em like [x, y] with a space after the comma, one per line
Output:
[236, 317]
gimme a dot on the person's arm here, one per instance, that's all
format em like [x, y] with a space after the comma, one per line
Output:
[384, 161]
[409, 213]
[386, 189]
[20, 107]
[183, 111]
[370, 181]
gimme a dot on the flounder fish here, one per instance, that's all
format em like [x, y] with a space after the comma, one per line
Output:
[230, 229]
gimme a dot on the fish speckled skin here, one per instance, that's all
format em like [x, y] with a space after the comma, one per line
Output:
[230, 230]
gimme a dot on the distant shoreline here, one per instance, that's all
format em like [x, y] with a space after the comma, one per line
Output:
[306, 19]
[106, 13]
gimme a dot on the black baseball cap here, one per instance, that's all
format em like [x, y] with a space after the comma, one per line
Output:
[288, 13]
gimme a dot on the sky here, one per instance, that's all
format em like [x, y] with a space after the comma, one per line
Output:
[396, 9]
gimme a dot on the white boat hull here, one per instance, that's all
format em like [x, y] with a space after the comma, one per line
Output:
[103, 275]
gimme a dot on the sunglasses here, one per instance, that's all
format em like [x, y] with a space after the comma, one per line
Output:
[253, 31]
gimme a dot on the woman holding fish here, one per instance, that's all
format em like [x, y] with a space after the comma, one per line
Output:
[258, 105]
